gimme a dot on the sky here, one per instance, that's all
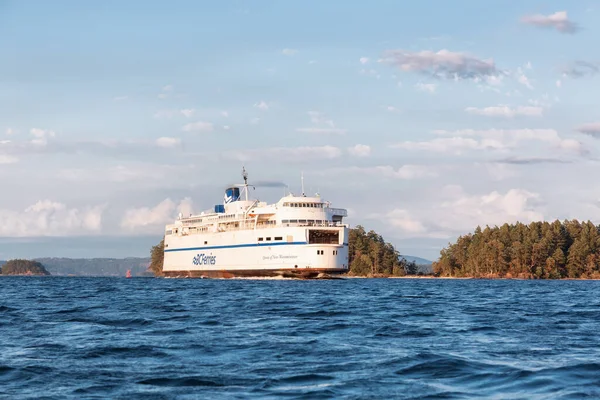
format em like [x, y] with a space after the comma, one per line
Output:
[424, 119]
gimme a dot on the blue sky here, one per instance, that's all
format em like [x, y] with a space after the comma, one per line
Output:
[424, 119]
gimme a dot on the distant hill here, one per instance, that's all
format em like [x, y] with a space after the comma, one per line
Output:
[96, 266]
[424, 266]
[418, 260]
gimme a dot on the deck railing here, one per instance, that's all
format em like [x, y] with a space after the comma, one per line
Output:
[252, 225]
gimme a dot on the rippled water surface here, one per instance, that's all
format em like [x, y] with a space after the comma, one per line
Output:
[354, 338]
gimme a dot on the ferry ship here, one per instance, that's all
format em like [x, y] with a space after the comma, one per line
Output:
[299, 236]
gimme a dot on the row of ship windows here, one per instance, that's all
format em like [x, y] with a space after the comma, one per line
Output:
[268, 238]
[304, 221]
[320, 252]
[198, 220]
[309, 205]
[190, 229]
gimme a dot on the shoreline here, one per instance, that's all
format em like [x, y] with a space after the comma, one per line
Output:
[467, 278]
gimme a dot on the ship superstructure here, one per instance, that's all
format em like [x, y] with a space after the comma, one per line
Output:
[297, 236]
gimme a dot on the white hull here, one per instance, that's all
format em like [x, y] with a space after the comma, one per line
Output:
[241, 253]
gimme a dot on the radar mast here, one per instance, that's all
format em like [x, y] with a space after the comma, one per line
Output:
[245, 176]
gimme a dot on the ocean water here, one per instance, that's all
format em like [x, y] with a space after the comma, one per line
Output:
[356, 338]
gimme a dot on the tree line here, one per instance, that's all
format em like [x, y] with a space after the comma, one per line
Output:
[540, 250]
[369, 255]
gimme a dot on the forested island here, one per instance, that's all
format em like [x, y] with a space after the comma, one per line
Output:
[540, 250]
[369, 255]
[24, 267]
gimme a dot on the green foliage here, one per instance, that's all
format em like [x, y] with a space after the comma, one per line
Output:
[23, 267]
[370, 255]
[540, 250]
[157, 256]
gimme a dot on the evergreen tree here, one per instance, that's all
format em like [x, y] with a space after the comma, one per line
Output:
[157, 255]
[540, 250]
[23, 267]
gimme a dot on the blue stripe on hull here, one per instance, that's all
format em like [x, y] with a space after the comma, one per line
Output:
[233, 246]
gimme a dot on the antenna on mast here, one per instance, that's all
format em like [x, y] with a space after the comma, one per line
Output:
[245, 176]
[302, 179]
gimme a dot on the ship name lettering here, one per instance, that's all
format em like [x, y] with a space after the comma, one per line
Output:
[278, 256]
[202, 259]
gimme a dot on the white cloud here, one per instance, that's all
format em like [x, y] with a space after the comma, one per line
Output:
[323, 125]
[456, 212]
[224, 114]
[49, 218]
[426, 87]
[402, 220]
[288, 154]
[8, 159]
[41, 136]
[289, 52]
[494, 80]
[443, 64]
[391, 109]
[501, 139]
[10, 131]
[187, 112]
[405, 172]
[363, 60]
[41, 133]
[120, 98]
[148, 219]
[168, 142]
[255, 121]
[360, 150]
[462, 212]
[559, 21]
[591, 129]
[198, 126]
[523, 80]
[226, 127]
[455, 145]
[506, 111]
[262, 105]
[558, 83]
